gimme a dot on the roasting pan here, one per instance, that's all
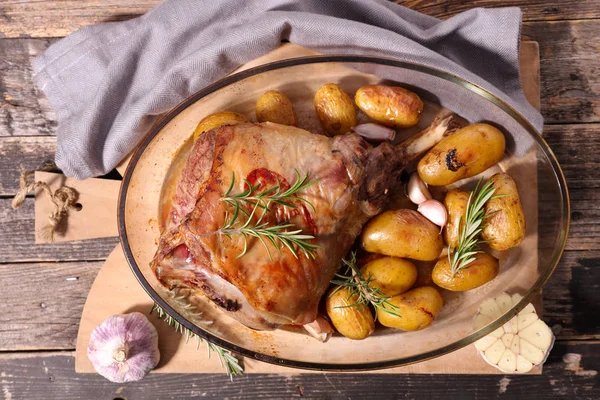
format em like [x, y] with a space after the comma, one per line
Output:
[524, 270]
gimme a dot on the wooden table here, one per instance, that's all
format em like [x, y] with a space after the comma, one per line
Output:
[41, 307]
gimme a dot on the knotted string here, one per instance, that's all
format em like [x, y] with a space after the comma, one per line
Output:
[62, 198]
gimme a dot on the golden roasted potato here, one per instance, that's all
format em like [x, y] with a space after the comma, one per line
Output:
[355, 322]
[275, 106]
[335, 109]
[478, 272]
[218, 119]
[469, 151]
[505, 228]
[390, 105]
[402, 233]
[417, 309]
[390, 274]
[456, 203]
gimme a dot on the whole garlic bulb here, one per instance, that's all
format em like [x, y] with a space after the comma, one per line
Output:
[124, 348]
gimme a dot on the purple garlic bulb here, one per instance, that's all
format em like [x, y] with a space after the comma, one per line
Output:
[124, 348]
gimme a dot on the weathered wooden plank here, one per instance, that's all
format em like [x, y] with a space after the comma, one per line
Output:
[570, 372]
[17, 242]
[28, 18]
[577, 148]
[31, 152]
[570, 86]
[43, 304]
[24, 110]
[533, 10]
[571, 296]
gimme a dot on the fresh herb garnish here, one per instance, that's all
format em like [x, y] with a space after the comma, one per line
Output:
[226, 358]
[360, 287]
[470, 227]
[280, 235]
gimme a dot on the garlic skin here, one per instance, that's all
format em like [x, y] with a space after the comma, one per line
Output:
[124, 348]
[320, 329]
[417, 190]
[434, 211]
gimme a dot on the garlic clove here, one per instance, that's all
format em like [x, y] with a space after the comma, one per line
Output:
[416, 189]
[320, 329]
[374, 131]
[124, 348]
[434, 211]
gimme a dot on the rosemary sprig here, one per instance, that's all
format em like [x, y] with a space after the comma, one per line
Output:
[272, 195]
[471, 227]
[360, 286]
[226, 358]
[281, 235]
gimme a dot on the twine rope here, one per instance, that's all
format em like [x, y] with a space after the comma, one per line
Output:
[62, 199]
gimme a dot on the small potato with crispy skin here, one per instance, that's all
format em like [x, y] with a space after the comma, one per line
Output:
[478, 272]
[390, 105]
[353, 321]
[274, 106]
[417, 308]
[335, 109]
[402, 233]
[505, 227]
[391, 275]
[469, 151]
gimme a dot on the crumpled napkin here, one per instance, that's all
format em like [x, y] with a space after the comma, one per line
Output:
[109, 82]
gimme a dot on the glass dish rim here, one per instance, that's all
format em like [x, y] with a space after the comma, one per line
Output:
[324, 366]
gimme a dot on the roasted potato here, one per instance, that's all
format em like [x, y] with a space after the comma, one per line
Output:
[478, 272]
[218, 119]
[275, 106]
[402, 233]
[505, 227]
[390, 274]
[335, 109]
[354, 322]
[469, 151]
[456, 203]
[390, 105]
[417, 309]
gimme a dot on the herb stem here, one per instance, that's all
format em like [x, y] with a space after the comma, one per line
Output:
[470, 227]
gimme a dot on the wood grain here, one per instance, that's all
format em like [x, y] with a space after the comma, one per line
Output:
[17, 241]
[51, 376]
[51, 18]
[31, 152]
[45, 303]
[533, 10]
[24, 110]
[570, 300]
[568, 69]
[577, 148]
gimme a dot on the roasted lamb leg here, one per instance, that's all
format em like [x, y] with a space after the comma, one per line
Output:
[262, 290]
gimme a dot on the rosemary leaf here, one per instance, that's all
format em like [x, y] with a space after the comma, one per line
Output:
[226, 358]
[281, 235]
[470, 227]
[360, 286]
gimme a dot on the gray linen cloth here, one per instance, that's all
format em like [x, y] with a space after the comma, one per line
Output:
[109, 82]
